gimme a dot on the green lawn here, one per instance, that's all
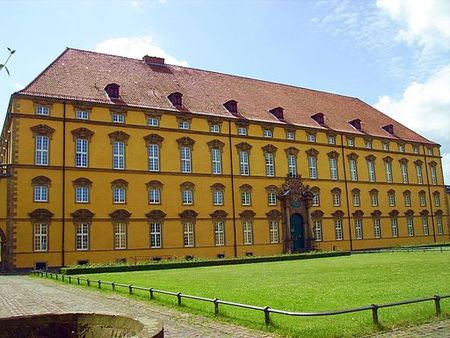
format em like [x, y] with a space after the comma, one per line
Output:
[310, 285]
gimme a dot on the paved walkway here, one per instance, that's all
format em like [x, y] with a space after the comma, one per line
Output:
[21, 295]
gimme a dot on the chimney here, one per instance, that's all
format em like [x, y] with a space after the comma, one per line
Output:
[153, 60]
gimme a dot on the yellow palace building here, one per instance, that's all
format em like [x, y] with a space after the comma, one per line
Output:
[106, 158]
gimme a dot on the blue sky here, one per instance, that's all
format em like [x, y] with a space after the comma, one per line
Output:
[393, 54]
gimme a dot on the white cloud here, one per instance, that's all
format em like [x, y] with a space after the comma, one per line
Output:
[18, 86]
[136, 47]
[425, 108]
[423, 22]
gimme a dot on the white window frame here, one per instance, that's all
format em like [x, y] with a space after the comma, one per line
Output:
[81, 194]
[290, 135]
[404, 171]
[377, 227]
[273, 231]
[152, 121]
[155, 235]
[41, 150]
[185, 125]
[187, 196]
[368, 144]
[120, 236]
[118, 118]
[391, 199]
[292, 165]
[316, 199]
[425, 225]
[186, 159]
[353, 170]
[394, 226]
[154, 195]
[371, 170]
[422, 199]
[81, 153]
[358, 228]
[82, 236]
[216, 161]
[271, 198]
[247, 227]
[433, 171]
[118, 155]
[246, 198]
[410, 225]
[356, 199]
[388, 171]
[437, 199]
[217, 197]
[40, 193]
[401, 148]
[42, 110]
[82, 115]
[338, 230]
[311, 137]
[119, 195]
[374, 199]
[40, 237]
[312, 165]
[331, 139]
[419, 174]
[270, 164]
[350, 142]
[214, 128]
[336, 197]
[244, 163]
[188, 234]
[317, 230]
[439, 225]
[219, 233]
[242, 131]
[153, 157]
[267, 133]
[334, 174]
[385, 146]
[407, 196]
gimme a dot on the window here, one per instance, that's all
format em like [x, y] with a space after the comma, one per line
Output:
[183, 124]
[312, 164]
[433, 169]
[82, 194]
[82, 115]
[271, 195]
[336, 197]
[188, 234]
[40, 236]
[358, 228]
[153, 157]
[82, 236]
[41, 150]
[371, 169]
[118, 118]
[186, 164]
[119, 194]
[377, 227]
[404, 170]
[81, 153]
[331, 139]
[388, 169]
[407, 195]
[155, 235]
[270, 165]
[118, 155]
[333, 162]
[214, 128]
[317, 230]
[217, 197]
[391, 198]
[426, 228]
[311, 137]
[248, 232]
[394, 226]
[356, 198]
[437, 199]
[429, 151]
[385, 146]
[40, 193]
[350, 142]
[374, 198]
[401, 148]
[422, 199]
[267, 133]
[439, 224]
[244, 163]
[419, 172]
[368, 144]
[154, 195]
[353, 169]
[290, 135]
[216, 161]
[187, 196]
[246, 198]
[152, 121]
[316, 197]
[120, 236]
[219, 233]
[42, 110]
[410, 225]
[338, 229]
[415, 149]
[242, 131]
[292, 164]
[273, 231]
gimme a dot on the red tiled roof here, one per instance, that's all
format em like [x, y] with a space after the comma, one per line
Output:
[83, 75]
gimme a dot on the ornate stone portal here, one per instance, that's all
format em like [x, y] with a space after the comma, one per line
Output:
[296, 200]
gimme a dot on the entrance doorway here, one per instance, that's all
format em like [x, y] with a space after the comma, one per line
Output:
[297, 232]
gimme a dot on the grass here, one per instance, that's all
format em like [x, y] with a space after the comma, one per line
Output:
[309, 286]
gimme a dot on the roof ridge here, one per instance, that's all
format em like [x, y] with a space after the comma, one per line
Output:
[45, 69]
[219, 73]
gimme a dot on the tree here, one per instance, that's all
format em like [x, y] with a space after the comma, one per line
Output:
[11, 52]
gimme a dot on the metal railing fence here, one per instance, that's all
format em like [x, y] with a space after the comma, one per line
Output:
[266, 309]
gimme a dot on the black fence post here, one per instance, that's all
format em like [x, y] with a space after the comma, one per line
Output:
[151, 293]
[437, 304]
[113, 286]
[179, 298]
[62, 278]
[375, 314]
[99, 284]
[130, 289]
[78, 280]
[88, 282]
[216, 306]
[267, 315]
[70, 279]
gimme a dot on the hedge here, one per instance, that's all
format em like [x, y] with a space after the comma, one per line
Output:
[76, 270]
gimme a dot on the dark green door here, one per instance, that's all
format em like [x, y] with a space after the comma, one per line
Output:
[297, 232]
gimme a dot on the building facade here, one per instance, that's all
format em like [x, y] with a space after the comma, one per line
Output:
[106, 158]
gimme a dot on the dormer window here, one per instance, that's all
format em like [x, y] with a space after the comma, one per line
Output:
[231, 106]
[278, 113]
[176, 99]
[319, 118]
[389, 128]
[112, 90]
[356, 124]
